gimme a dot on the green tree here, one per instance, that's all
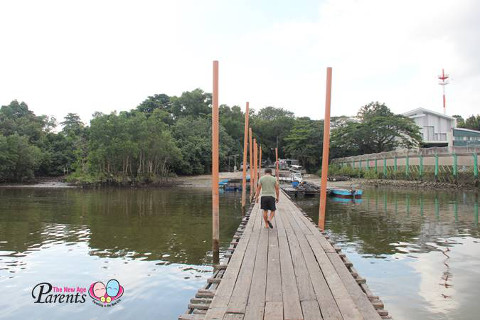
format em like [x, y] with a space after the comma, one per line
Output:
[271, 125]
[305, 142]
[473, 122]
[377, 130]
[460, 121]
[16, 118]
[18, 158]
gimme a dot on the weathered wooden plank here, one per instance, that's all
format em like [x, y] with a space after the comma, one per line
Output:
[310, 310]
[291, 300]
[233, 316]
[254, 312]
[273, 311]
[256, 297]
[328, 306]
[238, 300]
[304, 283]
[274, 279]
[358, 296]
[347, 307]
[218, 307]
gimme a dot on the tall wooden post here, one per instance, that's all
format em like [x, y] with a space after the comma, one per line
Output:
[215, 167]
[251, 162]
[326, 149]
[245, 150]
[255, 159]
[277, 173]
[260, 164]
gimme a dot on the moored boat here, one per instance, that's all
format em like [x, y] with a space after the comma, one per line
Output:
[346, 193]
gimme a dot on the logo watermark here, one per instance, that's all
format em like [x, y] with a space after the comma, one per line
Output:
[106, 295]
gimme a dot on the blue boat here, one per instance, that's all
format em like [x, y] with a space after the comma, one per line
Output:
[346, 200]
[346, 193]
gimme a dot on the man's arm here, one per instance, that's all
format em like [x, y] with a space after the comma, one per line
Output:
[277, 190]
[258, 191]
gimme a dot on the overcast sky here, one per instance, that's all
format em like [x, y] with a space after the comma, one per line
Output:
[85, 56]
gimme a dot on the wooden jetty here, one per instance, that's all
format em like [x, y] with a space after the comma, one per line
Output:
[289, 272]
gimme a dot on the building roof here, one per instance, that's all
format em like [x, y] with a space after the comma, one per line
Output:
[467, 130]
[423, 110]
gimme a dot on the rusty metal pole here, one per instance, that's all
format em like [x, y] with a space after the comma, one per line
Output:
[245, 150]
[277, 173]
[260, 164]
[251, 162]
[215, 167]
[325, 154]
[255, 159]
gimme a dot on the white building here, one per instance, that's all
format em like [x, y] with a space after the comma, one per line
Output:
[436, 128]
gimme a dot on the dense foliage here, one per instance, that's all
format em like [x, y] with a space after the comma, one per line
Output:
[167, 135]
[472, 122]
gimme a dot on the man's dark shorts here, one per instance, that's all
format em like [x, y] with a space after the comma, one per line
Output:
[267, 203]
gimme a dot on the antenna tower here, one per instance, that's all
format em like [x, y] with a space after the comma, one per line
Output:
[443, 81]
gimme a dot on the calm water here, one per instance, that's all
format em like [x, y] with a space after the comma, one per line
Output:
[156, 243]
[419, 251]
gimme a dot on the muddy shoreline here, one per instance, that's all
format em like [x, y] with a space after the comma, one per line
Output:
[205, 181]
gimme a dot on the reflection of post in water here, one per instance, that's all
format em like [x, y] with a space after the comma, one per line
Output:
[396, 204]
[447, 275]
[455, 210]
[407, 201]
[437, 207]
[385, 201]
[475, 210]
[421, 205]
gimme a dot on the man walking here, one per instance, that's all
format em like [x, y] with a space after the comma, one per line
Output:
[269, 189]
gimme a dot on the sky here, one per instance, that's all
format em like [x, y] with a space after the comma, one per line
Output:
[86, 56]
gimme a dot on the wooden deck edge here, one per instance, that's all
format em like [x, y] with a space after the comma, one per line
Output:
[374, 300]
[198, 306]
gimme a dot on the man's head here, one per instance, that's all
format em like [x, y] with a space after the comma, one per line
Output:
[268, 171]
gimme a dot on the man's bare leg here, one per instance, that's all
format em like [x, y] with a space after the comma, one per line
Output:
[265, 218]
[272, 214]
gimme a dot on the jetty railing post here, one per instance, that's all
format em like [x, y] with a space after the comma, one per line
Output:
[407, 169]
[475, 167]
[376, 166]
[436, 167]
[326, 149]
[260, 163]
[250, 139]
[395, 166]
[385, 168]
[455, 171]
[215, 166]
[245, 151]
[277, 173]
[255, 163]
[421, 167]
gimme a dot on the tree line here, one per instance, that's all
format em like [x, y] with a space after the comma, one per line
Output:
[169, 135]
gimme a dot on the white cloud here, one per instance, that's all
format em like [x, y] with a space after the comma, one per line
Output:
[86, 56]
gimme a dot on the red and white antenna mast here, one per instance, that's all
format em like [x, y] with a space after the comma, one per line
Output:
[443, 82]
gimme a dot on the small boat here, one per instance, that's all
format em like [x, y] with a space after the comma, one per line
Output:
[346, 193]
[346, 200]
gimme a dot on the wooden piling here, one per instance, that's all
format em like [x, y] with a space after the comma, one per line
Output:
[245, 149]
[255, 159]
[325, 154]
[277, 173]
[251, 163]
[215, 159]
[260, 163]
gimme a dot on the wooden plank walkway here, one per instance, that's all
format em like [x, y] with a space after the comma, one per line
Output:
[289, 272]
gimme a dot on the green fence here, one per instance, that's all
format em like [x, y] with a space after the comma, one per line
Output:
[453, 165]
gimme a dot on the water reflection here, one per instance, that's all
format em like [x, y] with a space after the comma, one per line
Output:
[156, 242]
[420, 251]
